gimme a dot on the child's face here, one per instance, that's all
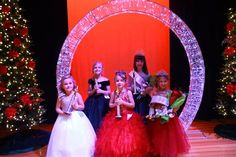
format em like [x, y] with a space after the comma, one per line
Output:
[120, 82]
[68, 85]
[139, 64]
[97, 69]
[162, 83]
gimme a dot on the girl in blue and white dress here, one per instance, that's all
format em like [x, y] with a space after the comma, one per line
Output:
[72, 134]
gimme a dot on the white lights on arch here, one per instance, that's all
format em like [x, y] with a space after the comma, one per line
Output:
[158, 12]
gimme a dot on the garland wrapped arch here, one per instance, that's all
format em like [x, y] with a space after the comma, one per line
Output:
[158, 12]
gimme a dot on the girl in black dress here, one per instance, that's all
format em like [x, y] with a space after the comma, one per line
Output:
[97, 103]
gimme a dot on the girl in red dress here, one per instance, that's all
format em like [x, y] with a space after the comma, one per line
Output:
[122, 133]
[167, 136]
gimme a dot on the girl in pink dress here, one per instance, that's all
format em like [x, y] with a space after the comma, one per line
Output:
[122, 133]
[167, 136]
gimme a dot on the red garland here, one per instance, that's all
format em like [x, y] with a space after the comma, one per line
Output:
[6, 9]
[10, 112]
[3, 69]
[230, 26]
[13, 53]
[17, 42]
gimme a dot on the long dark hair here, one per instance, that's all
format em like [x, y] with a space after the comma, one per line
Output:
[137, 57]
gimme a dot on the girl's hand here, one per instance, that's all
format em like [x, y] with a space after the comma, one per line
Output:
[75, 106]
[99, 91]
[96, 86]
[119, 101]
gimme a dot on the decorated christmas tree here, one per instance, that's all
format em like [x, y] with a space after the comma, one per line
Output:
[20, 97]
[226, 101]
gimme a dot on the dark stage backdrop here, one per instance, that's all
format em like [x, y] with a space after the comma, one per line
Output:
[47, 21]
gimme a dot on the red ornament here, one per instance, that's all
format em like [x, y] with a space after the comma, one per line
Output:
[17, 42]
[10, 112]
[26, 99]
[13, 53]
[229, 51]
[31, 64]
[3, 69]
[24, 31]
[230, 88]
[6, 9]
[7, 23]
[230, 26]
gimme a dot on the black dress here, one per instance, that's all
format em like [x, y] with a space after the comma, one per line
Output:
[96, 105]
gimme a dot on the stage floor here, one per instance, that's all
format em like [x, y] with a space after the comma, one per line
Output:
[204, 142]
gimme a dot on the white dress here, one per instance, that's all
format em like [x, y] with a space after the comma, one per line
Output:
[72, 135]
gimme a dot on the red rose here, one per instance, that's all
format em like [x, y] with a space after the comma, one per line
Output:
[31, 64]
[174, 96]
[7, 24]
[229, 51]
[17, 42]
[230, 26]
[10, 112]
[24, 31]
[3, 69]
[13, 53]
[6, 9]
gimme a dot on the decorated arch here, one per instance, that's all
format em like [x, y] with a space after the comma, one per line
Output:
[158, 12]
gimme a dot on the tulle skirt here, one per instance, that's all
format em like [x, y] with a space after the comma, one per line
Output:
[72, 136]
[125, 137]
[169, 139]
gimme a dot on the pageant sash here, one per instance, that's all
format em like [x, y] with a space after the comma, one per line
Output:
[133, 74]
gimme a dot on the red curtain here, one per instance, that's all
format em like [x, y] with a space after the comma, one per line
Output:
[115, 41]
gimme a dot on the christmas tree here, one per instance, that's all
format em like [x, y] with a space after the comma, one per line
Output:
[20, 96]
[226, 101]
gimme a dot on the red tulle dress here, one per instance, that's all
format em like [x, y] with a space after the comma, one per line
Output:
[124, 137]
[168, 139]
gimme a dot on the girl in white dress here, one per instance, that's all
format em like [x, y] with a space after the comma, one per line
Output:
[72, 134]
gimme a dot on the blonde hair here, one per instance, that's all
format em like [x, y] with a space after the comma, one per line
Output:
[97, 62]
[62, 81]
